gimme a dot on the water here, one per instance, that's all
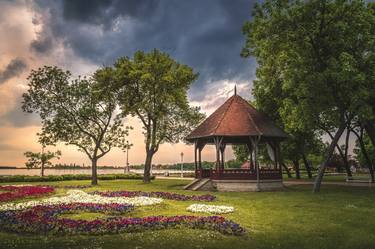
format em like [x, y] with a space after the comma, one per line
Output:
[36, 172]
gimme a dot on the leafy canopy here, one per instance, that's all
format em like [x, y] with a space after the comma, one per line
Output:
[74, 111]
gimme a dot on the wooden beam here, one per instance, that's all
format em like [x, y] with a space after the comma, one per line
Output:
[255, 142]
[195, 158]
[222, 150]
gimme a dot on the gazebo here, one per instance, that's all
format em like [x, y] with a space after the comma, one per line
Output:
[233, 123]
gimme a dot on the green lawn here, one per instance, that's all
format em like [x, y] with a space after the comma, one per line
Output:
[338, 217]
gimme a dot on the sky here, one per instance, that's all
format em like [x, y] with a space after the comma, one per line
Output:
[82, 36]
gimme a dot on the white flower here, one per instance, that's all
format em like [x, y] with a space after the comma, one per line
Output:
[79, 196]
[212, 209]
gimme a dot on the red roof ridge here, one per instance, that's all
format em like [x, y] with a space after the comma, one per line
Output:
[250, 117]
[225, 112]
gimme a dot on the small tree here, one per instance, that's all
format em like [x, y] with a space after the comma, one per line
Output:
[40, 159]
[76, 112]
[157, 86]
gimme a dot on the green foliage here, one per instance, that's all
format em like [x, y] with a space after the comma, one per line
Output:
[39, 159]
[312, 58]
[370, 149]
[241, 153]
[316, 68]
[75, 111]
[153, 87]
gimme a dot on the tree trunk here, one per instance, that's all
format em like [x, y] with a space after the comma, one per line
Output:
[42, 169]
[343, 156]
[364, 151]
[346, 162]
[370, 129]
[296, 169]
[94, 175]
[307, 166]
[146, 175]
[323, 166]
[287, 170]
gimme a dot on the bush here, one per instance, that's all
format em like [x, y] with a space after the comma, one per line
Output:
[53, 178]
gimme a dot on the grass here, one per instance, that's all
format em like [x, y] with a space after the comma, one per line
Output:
[338, 217]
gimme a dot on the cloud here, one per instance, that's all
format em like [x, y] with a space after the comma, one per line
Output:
[205, 35]
[7, 147]
[13, 69]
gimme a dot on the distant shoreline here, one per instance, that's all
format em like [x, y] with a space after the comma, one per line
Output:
[9, 167]
[57, 168]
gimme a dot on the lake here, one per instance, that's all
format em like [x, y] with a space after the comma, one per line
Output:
[36, 172]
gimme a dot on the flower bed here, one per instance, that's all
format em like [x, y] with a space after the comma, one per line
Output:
[164, 195]
[212, 209]
[44, 219]
[79, 196]
[17, 192]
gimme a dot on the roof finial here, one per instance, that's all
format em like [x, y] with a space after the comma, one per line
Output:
[235, 90]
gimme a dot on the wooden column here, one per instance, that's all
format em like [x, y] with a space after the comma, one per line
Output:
[222, 150]
[279, 159]
[217, 142]
[195, 159]
[200, 157]
[255, 141]
[251, 163]
[274, 151]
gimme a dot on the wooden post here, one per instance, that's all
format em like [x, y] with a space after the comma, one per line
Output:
[195, 159]
[255, 142]
[222, 150]
[279, 160]
[217, 147]
[200, 158]
[251, 163]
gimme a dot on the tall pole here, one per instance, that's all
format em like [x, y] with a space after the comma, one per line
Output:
[182, 164]
[126, 168]
[127, 160]
[42, 164]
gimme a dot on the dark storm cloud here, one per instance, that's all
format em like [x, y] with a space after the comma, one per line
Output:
[13, 69]
[17, 118]
[42, 45]
[203, 34]
[104, 13]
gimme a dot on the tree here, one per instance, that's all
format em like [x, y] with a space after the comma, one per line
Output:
[364, 151]
[318, 53]
[40, 159]
[157, 86]
[75, 112]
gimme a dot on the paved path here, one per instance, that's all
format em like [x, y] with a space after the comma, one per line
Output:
[350, 184]
[291, 182]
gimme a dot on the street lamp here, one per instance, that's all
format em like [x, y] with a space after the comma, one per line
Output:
[182, 164]
[127, 148]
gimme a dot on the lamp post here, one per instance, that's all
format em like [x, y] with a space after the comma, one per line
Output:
[182, 164]
[127, 160]
[127, 148]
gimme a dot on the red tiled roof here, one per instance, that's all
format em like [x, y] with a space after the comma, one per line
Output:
[236, 117]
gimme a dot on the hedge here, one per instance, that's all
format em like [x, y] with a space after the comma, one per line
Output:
[53, 178]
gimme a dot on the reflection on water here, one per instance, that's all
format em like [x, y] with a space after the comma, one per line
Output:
[36, 172]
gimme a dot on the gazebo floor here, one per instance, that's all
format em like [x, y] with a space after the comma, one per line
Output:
[237, 185]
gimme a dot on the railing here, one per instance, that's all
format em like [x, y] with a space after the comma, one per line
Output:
[242, 174]
[203, 173]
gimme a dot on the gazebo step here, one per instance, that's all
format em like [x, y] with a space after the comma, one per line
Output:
[200, 184]
[190, 185]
